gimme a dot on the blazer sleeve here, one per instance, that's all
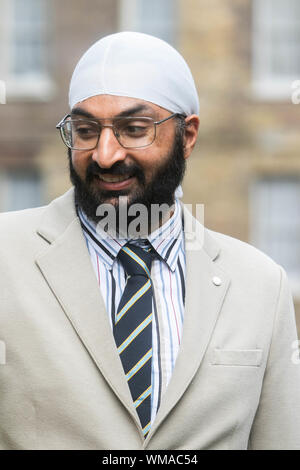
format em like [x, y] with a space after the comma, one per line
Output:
[277, 421]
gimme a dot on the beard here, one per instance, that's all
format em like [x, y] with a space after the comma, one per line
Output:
[158, 191]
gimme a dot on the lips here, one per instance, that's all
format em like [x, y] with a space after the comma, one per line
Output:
[113, 179]
[114, 182]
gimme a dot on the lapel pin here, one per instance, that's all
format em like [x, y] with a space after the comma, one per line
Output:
[216, 280]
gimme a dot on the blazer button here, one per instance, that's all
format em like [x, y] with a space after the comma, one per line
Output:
[216, 280]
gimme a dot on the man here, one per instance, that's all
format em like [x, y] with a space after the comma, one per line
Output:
[156, 334]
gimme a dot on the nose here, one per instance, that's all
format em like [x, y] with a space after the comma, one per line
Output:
[108, 150]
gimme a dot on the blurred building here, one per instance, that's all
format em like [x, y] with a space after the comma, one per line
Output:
[40, 43]
[245, 57]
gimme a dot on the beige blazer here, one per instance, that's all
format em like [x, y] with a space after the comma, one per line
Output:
[62, 386]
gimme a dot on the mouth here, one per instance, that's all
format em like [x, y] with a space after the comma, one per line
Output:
[113, 179]
[114, 182]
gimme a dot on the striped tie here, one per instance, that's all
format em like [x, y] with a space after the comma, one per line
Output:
[133, 328]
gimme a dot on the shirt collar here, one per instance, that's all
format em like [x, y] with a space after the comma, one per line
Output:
[166, 240]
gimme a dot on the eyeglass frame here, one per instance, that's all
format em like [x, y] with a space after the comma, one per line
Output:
[95, 120]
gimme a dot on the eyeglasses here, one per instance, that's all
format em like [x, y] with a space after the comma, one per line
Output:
[130, 132]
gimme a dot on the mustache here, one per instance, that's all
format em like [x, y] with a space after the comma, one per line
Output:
[117, 169]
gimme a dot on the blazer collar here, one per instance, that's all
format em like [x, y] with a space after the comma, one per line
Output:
[66, 266]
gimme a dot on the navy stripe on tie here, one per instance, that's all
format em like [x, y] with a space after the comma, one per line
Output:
[133, 329]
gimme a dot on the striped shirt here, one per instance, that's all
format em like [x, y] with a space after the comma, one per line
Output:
[168, 278]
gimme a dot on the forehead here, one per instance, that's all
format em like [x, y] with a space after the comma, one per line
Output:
[107, 106]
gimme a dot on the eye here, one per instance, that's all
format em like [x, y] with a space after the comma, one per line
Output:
[85, 131]
[130, 129]
[134, 128]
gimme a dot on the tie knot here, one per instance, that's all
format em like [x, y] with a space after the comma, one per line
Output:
[136, 260]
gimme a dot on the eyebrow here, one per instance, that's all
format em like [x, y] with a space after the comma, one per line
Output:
[127, 112]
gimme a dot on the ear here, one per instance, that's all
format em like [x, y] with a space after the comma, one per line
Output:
[192, 123]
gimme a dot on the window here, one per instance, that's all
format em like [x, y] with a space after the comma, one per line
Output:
[275, 223]
[156, 17]
[24, 48]
[20, 189]
[276, 47]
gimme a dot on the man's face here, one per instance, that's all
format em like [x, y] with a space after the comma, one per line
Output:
[147, 175]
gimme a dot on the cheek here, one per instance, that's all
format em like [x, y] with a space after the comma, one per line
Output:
[80, 162]
[149, 165]
[152, 159]
[154, 165]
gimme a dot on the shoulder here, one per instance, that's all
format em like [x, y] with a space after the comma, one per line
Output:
[234, 247]
[19, 240]
[30, 228]
[245, 262]
[52, 218]
[231, 254]
[17, 223]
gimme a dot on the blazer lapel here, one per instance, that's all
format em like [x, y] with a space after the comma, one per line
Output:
[68, 271]
[203, 304]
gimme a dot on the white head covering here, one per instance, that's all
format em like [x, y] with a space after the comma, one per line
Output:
[138, 66]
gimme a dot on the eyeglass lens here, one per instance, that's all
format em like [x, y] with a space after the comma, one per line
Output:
[131, 132]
